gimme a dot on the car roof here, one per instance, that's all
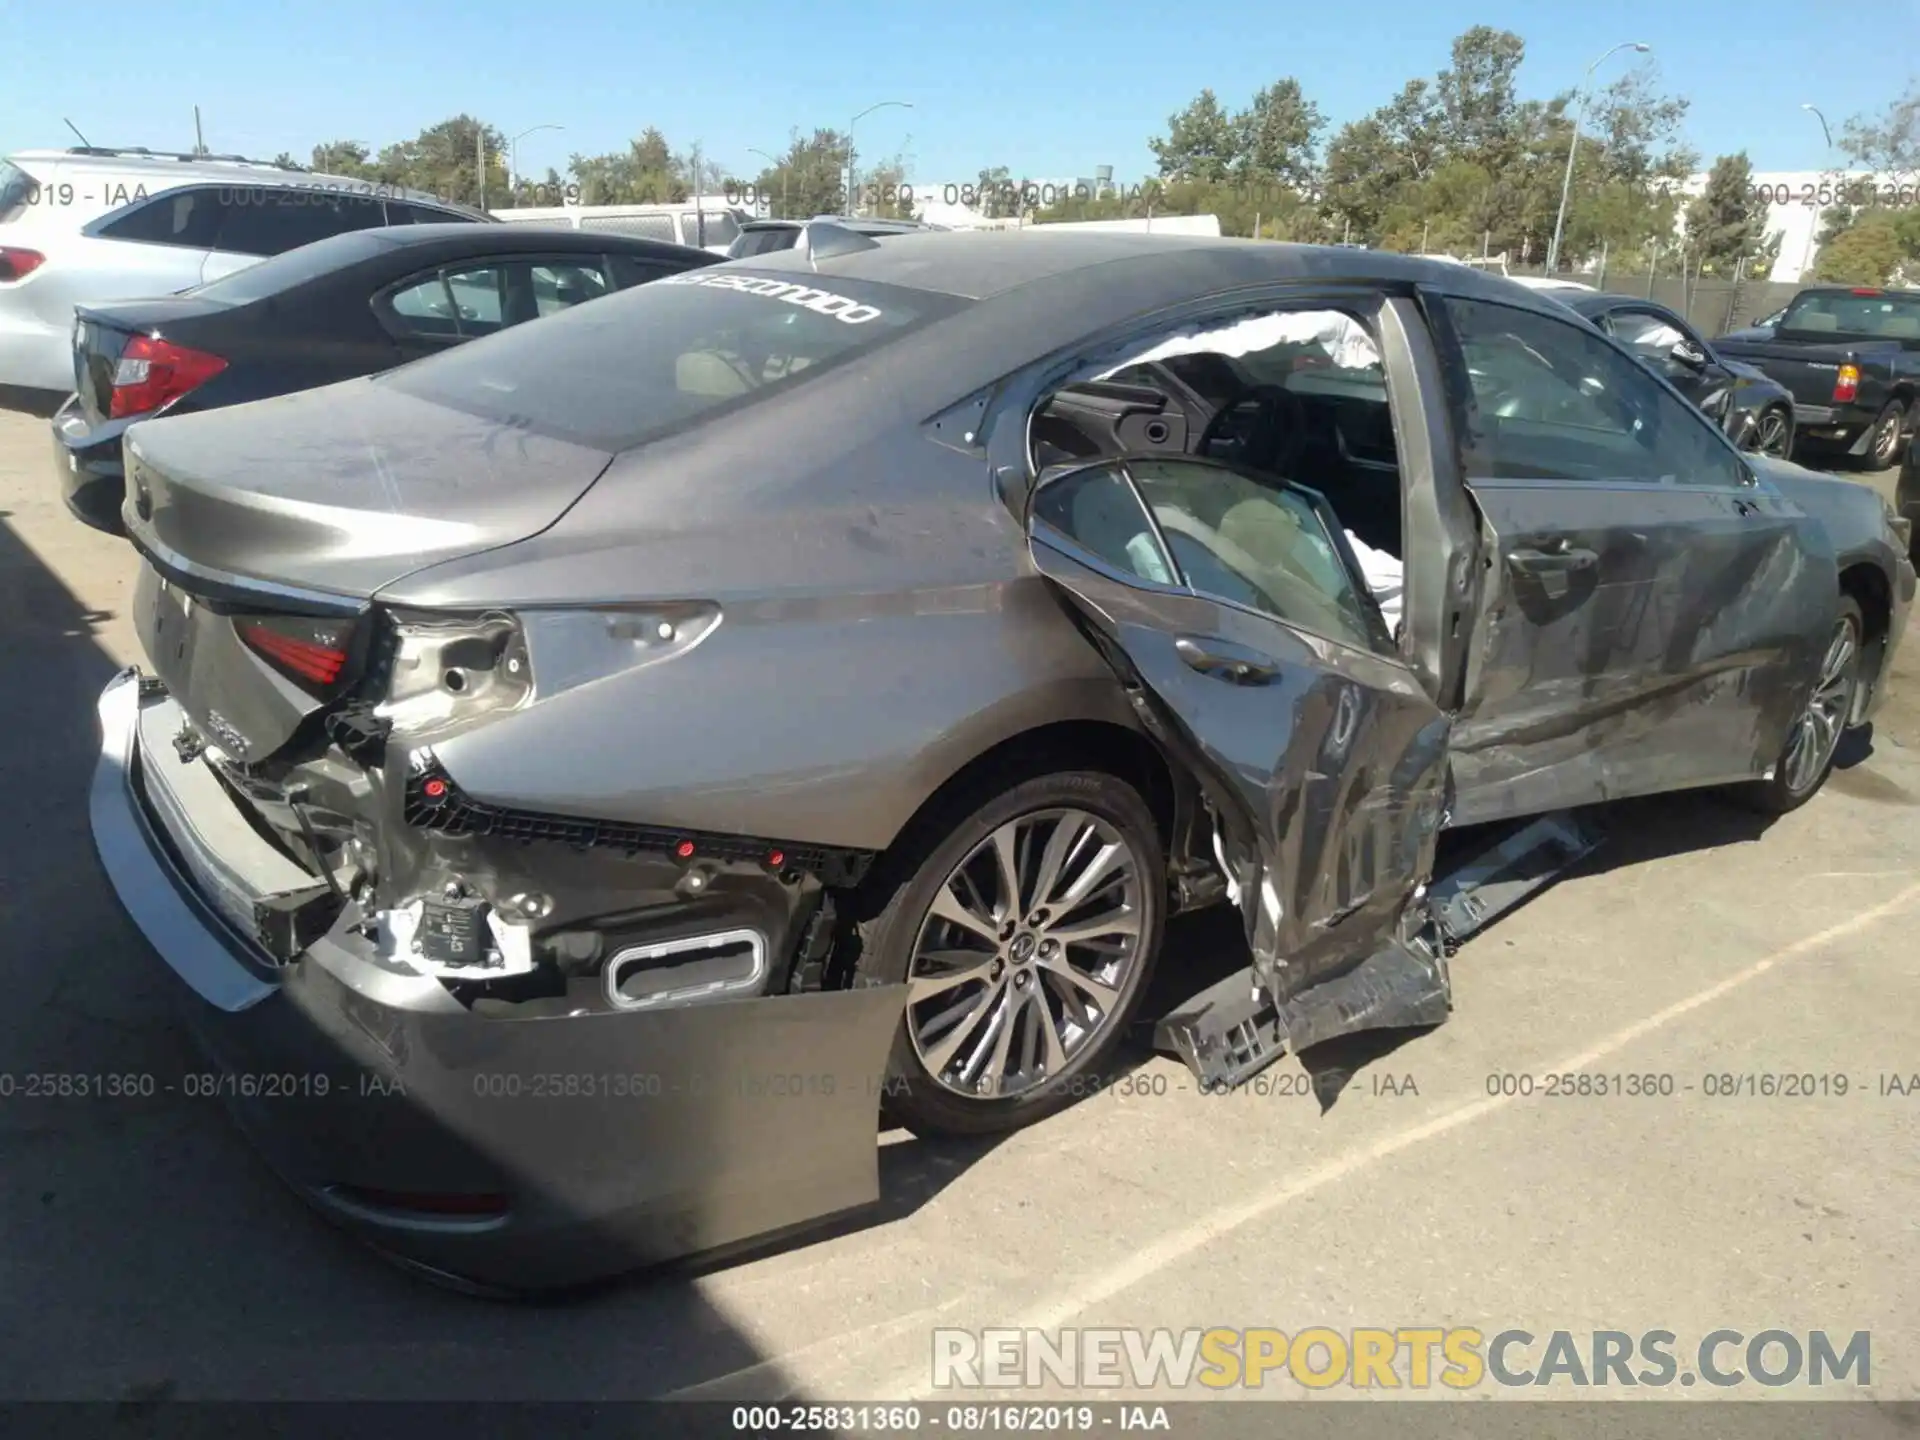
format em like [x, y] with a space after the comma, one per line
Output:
[529, 237]
[983, 264]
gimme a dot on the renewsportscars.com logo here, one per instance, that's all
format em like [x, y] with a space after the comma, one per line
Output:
[1404, 1357]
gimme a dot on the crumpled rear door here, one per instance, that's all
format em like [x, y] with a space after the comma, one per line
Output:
[1325, 764]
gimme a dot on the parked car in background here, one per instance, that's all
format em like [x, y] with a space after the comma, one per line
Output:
[172, 222]
[710, 694]
[763, 237]
[1850, 356]
[351, 305]
[708, 226]
[1755, 410]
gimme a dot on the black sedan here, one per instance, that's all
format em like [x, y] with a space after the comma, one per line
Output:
[340, 308]
[1755, 411]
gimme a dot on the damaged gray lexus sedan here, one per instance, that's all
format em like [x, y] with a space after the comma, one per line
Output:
[586, 777]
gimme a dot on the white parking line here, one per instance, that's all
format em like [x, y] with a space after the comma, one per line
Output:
[1150, 1259]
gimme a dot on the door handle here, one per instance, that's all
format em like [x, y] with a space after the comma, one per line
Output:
[1745, 507]
[1559, 560]
[1223, 660]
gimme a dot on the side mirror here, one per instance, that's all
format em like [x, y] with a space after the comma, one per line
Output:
[1690, 355]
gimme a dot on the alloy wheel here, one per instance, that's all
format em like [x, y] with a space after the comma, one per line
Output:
[1772, 436]
[1886, 439]
[1025, 953]
[1816, 735]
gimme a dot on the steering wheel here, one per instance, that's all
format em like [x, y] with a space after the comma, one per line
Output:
[1275, 434]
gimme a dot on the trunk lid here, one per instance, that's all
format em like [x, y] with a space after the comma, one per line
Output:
[101, 333]
[268, 527]
[343, 489]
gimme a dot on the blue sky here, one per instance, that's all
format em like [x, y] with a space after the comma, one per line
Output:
[1046, 87]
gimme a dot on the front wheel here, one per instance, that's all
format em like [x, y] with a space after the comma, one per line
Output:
[1812, 743]
[1025, 937]
[1773, 433]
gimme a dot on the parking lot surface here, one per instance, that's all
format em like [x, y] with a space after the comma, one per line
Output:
[148, 1254]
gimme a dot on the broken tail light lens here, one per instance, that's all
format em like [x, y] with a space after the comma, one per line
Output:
[17, 263]
[1846, 385]
[311, 652]
[151, 373]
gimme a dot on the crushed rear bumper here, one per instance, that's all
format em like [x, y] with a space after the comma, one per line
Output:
[519, 1153]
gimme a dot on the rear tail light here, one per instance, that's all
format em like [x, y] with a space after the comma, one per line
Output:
[1846, 384]
[152, 373]
[310, 652]
[17, 264]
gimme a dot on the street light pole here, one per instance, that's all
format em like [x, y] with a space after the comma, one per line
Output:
[1813, 226]
[781, 166]
[513, 156]
[1566, 185]
[852, 205]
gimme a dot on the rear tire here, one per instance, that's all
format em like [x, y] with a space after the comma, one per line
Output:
[972, 1056]
[1883, 448]
[1799, 773]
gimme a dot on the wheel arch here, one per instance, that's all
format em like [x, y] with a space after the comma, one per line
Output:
[1081, 743]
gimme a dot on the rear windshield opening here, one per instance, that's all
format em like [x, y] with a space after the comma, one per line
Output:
[662, 356]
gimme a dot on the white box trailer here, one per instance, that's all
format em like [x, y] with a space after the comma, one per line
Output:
[704, 224]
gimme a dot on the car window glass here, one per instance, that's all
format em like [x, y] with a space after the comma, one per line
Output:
[1258, 542]
[765, 241]
[425, 300]
[560, 284]
[628, 270]
[479, 295]
[272, 219]
[1862, 312]
[1552, 400]
[182, 217]
[1097, 509]
[1649, 336]
[655, 358]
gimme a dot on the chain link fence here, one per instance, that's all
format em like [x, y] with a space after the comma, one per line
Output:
[1711, 306]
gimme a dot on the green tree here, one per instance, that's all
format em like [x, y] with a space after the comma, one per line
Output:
[446, 160]
[810, 178]
[1276, 138]
[1202, 142]
[645, 173]
[347, 158]
[1723, 224]
[1868, 253]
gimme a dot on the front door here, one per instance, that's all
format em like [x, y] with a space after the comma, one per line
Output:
[1644, 625]
[1232, 607]
[1666, 346]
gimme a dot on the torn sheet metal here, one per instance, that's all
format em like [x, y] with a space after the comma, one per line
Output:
[1231, 1031]
[1470, 897]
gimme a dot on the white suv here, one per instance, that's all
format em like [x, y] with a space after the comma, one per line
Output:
[88, 226]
